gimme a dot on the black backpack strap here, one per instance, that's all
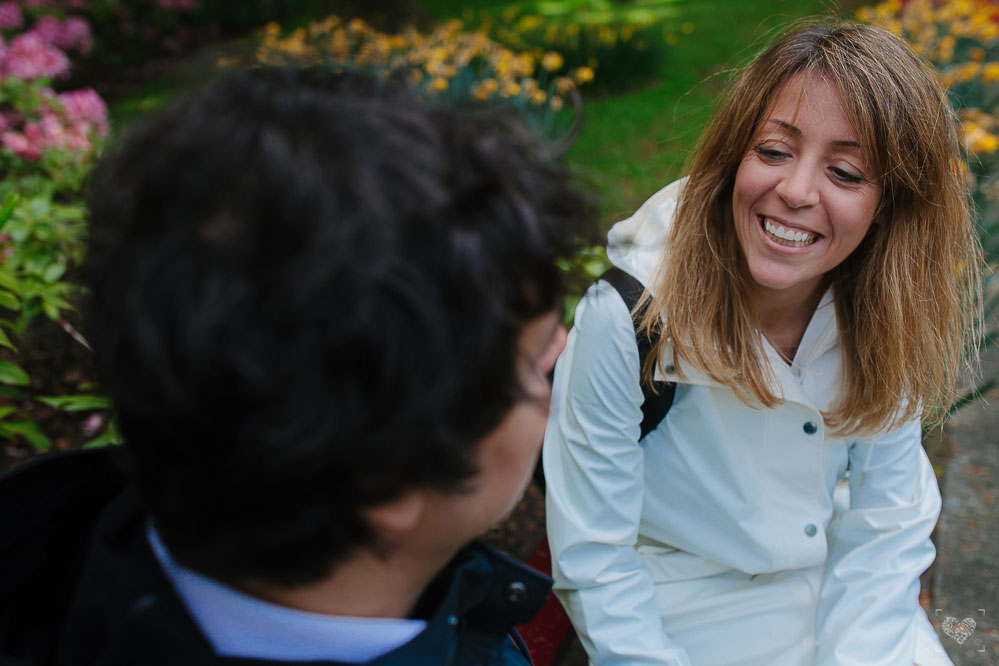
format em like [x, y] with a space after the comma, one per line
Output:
[658, 395]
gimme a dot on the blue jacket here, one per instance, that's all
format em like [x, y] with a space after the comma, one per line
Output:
[80, 584]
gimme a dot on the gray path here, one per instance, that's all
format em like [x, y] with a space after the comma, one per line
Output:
[966, 580]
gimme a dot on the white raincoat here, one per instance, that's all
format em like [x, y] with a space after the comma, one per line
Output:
[715, 540]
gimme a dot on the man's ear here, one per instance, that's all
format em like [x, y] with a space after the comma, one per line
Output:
[397, 517]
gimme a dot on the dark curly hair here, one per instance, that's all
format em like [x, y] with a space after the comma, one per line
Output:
[307, 291]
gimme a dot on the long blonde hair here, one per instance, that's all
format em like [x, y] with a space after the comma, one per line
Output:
[907, 299]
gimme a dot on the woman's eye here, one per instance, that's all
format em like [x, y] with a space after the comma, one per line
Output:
[770, 154]
[845, 176]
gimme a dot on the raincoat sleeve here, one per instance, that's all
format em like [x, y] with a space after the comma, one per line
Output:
[595, 482]
[868, 610]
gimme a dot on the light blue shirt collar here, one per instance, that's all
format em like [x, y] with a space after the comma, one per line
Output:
[239, 625]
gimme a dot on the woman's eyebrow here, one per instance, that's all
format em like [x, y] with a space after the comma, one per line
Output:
[847, 143]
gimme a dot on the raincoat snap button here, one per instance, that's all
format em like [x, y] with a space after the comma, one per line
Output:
[669, 369]
[811, 530]
[811, 428]
[516, 592]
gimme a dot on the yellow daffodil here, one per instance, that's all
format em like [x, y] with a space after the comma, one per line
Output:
[985, 143]
[552, 61]
[563, 84]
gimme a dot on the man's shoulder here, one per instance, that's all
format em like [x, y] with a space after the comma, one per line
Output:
[49, 505]
[48, 510]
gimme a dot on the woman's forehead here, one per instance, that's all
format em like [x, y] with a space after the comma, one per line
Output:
[815, 91]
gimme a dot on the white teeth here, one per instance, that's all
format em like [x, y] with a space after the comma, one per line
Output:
[787, 236]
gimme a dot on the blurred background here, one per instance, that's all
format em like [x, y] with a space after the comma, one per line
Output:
[620, 87]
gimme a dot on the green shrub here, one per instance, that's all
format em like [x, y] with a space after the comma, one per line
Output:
[48, 141]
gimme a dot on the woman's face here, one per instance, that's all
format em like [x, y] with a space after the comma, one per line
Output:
[804, 196]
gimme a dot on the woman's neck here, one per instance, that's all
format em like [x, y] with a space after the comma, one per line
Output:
[783, 316]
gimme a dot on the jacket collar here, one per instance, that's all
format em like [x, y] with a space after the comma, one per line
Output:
[485, 589]
[821, 337]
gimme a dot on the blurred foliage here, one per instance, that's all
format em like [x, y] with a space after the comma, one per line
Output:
[447, 64]
[48, 142]
[627, 45]
[960, 38]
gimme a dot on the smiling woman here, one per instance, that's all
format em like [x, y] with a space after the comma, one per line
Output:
[802, 202]
[810, 291]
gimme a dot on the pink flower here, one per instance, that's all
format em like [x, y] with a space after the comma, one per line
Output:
[45, 133]
[10, 15]
[29, 57]
[86, 105]
[48, 29]
[56, 131]
[79, 138]
[71, 34]
[18, 144]
[38, 3]
[51, 132]
[75, 35]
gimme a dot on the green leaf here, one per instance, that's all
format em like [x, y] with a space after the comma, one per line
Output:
[6, 411]
[9, 300]
[54, 271]
[5, 341]
[7, 208]
[52, 308]
[111, 436]
[39, 207]
[13, 375]
[29, 431]
[99, 441]
[10, 282]
[76, 403]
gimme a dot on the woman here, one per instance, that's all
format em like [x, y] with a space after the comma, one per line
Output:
[810, 289]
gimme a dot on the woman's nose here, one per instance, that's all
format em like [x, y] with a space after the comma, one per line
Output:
[798, 188]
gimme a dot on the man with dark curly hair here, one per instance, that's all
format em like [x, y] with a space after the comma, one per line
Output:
[325, 312]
